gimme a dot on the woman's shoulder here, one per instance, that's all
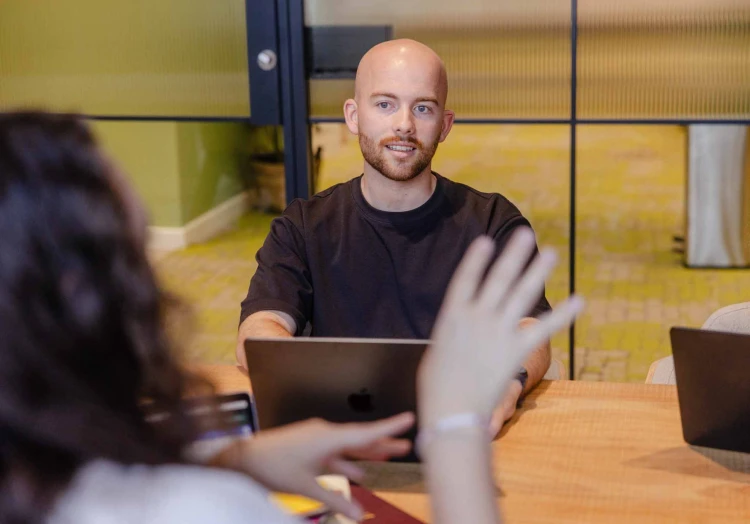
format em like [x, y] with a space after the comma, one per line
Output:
[105, 492]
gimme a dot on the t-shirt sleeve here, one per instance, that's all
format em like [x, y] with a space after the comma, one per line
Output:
[282, 281]
[502, 236]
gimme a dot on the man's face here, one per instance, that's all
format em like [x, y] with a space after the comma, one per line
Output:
[400, 119]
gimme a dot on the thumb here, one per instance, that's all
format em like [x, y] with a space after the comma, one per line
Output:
[335, 501]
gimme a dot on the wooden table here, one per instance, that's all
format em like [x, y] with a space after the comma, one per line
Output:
[582, 452]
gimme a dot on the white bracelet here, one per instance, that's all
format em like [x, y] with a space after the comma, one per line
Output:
[449, 424]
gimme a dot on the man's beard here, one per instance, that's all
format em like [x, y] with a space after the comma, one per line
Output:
[403, 170]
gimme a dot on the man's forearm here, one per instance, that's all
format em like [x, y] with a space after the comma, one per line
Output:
[259, 325]
[538, 362]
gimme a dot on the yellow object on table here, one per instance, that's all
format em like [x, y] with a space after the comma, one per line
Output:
[306, 507]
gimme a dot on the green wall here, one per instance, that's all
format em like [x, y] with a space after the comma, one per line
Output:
[147, 153]
[180, 170]
[209, 165]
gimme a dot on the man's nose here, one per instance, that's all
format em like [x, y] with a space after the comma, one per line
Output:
[404, 122]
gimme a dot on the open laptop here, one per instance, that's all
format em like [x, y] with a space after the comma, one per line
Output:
[712, 370]
[337, 379]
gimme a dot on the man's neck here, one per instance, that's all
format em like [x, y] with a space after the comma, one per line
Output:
[389, 195]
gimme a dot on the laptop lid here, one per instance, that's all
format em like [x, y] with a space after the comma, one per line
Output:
[337, 379]
[712, 370]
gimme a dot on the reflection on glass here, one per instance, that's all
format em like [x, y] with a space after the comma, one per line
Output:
[506, 59]
[171, 57]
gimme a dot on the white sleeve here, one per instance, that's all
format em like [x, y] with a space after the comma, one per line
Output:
[212, 496]
[108, 493]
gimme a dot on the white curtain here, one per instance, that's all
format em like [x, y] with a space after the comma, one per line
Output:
[716, 196]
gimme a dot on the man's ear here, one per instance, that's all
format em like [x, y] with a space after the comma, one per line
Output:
[351, 117]
[448, 118]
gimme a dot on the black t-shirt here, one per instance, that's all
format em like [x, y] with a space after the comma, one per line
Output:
[354, 271]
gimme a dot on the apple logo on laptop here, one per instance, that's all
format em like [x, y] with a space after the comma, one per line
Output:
[361, 402]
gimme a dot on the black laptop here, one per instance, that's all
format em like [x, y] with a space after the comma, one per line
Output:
[337, 379]
[712, 370]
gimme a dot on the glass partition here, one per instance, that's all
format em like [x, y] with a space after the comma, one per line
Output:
[504, 59]
[630, 219]
[185, 58]
[664, 59]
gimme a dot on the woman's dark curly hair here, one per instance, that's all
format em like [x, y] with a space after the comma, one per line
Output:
[82, 337]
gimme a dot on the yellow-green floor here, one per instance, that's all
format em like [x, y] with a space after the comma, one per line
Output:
[630, 203]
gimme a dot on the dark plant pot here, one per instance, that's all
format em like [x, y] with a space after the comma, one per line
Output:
[265, 182]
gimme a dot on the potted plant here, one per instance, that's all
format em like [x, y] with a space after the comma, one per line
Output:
[264, 170]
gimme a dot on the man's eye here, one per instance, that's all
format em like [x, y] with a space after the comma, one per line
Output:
[383, 105]
[422, 109]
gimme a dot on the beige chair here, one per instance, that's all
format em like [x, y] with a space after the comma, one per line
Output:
[556, 371]
[733, 319]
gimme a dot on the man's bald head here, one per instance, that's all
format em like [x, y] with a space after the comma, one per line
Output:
[402, 60]
[398, 111]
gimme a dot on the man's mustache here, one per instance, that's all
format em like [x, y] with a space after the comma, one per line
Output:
[406, 139]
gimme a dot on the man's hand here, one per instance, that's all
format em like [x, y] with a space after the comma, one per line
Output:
[505, 410]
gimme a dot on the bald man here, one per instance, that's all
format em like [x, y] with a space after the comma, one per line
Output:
[372, 257]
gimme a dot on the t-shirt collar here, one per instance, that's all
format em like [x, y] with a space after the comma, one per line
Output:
[400, 218]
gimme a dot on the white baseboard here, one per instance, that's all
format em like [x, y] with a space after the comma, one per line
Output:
[201, 229]
[162, 239]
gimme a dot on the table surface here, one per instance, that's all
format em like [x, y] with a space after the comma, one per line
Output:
[583, 452]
